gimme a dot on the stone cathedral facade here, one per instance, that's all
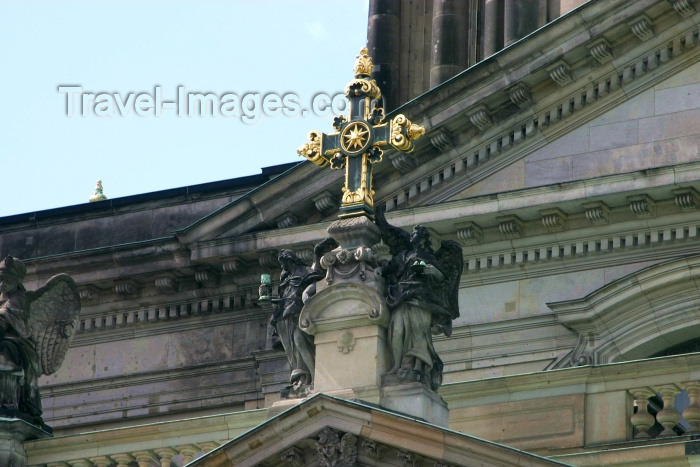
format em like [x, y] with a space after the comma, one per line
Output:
[562, 150]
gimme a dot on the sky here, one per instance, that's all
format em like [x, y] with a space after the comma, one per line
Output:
[151, 95]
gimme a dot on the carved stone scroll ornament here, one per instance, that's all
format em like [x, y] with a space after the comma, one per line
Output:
[335, 450]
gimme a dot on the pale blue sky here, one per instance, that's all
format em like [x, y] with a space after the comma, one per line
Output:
[51, 160]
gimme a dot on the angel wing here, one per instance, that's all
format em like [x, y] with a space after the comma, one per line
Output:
[321, 249]
[452, 262]
[53, 316]
[396, 239]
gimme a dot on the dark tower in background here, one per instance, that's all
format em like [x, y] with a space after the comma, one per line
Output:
[418, 44]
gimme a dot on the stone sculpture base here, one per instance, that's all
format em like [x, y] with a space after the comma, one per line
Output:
[415, 400]
[13, 432]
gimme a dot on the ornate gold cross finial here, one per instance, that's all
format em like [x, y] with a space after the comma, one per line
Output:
[359, 140]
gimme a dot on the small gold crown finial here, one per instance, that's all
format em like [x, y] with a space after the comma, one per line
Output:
[363, 64]
[98, 195]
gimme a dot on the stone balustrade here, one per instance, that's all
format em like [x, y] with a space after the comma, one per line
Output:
[666, 410]
[590, 407]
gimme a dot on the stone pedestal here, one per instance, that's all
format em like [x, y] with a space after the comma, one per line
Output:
[415, 400]
[348, 318]
[13, 432]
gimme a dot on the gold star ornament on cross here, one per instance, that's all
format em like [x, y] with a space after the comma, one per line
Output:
[360, 139]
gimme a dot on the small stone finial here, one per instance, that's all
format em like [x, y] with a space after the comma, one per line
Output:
[363, 64]
[98, 195]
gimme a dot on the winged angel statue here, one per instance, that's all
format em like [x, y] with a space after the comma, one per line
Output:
[421, 290]
[36, 329]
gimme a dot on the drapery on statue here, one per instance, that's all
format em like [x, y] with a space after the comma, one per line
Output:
[421, 291]
[36, 329]
[297, 285]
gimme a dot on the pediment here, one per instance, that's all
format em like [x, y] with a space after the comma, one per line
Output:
[637, 315]
[571, 102]
[329, 431]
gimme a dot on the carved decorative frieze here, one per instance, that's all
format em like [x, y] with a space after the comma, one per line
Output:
[407, 458]
[480, 116]
[126, 288]
[553, 219]
[470, 233]
[166, 284]
[373, 449]
[325, 203]
[334, 449]
[520, 95]
[642, 27]
[684, 8]
[287, 220]
[600, 50]
[642, 206]
[511, 226]
[294, 457]
[441, 139]
[268, 259]
[597, 212]
[560, 72]
[687, 198]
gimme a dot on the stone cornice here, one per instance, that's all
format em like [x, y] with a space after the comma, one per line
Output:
[518, 131]
[631, 312]
[487, 84]
[583, 379]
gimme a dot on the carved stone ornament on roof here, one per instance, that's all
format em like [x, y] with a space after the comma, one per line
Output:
[324, 202]
[597, 212]
[642, 27]
[520, 95]
[553, 219]
[511, 226]
[166, 284]
[126, 288]
[470, 233]
[600, 50]
[560, 72]
[234, 266]
[687, 199]
[441, 139]
[480, 116]
[287, 220]
[336, 449]
[373, 449]
[642, 206]
[684, 8]
[294, 457]
[268, 259]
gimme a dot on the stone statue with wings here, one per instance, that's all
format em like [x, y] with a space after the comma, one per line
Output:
[421, 286]
[36, 328]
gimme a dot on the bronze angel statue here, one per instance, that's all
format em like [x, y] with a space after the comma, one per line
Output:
[297, 285]
[421, 291]
[36, 329]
